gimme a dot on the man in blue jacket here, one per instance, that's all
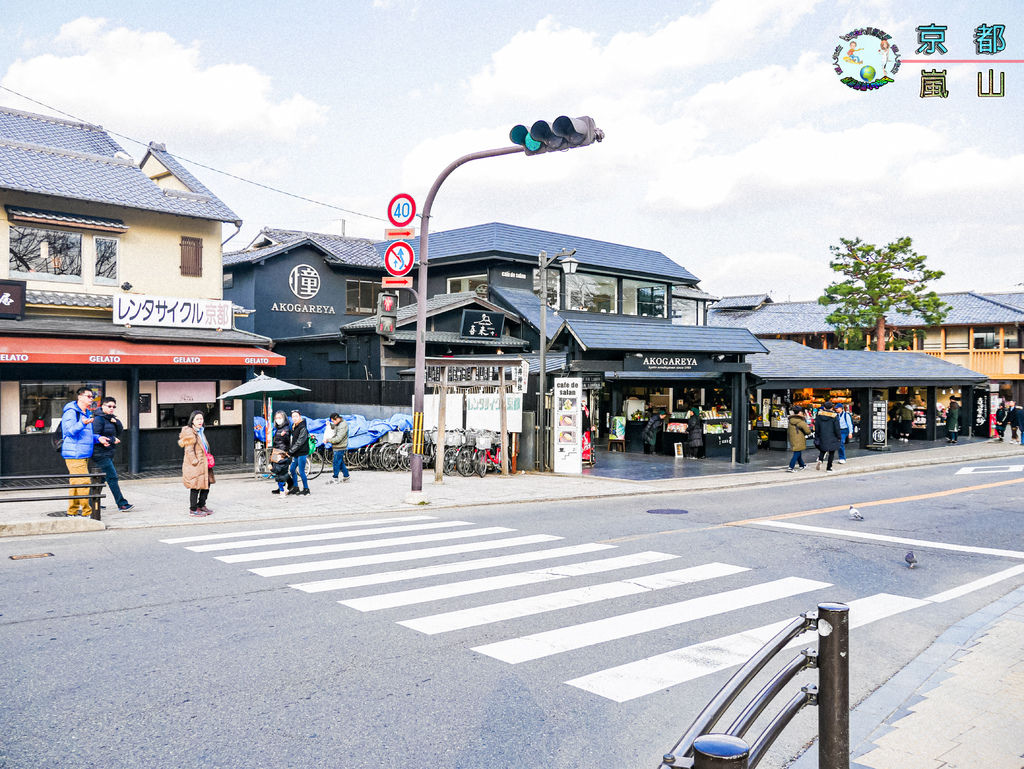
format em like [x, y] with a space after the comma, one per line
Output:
[76, 448]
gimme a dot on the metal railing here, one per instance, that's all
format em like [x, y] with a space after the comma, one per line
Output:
[698, 748]
[34, 483]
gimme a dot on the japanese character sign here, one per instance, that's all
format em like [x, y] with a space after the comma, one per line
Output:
[173, 312]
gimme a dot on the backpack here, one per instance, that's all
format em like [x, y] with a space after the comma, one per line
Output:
[58, 438]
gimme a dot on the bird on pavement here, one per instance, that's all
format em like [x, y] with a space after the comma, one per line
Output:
[910, 558]
[855, 514]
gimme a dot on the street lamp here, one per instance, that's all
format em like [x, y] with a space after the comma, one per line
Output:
[569, 265]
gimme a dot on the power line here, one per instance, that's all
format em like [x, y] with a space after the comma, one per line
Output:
[197, 163]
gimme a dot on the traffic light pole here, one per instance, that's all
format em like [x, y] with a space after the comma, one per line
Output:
[421, 320]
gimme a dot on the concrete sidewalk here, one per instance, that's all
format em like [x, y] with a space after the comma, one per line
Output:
[240, 497]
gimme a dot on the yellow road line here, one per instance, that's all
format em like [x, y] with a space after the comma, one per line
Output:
[875, 503]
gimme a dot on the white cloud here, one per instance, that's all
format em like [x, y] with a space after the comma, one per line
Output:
[528, 67]
[138, 81]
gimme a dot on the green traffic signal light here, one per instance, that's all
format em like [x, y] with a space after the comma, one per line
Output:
[562, 134]
[521, 135]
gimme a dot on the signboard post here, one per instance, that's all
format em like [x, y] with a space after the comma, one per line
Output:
[398, 258]
[878, 437]
[568, 448]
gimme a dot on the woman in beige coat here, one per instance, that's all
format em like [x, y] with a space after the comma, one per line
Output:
[197, 465]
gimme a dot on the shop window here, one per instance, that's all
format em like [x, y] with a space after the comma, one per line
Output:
[468, 283]
[554, 286]
[106, 259]
[685, 312]
[42, 403]
[591, 293]
[644, 299]
[43, 254]
[361, 297]
[986, 339]
[191, 257]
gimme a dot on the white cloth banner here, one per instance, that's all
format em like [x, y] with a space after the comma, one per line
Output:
[452, 414]
[170, 311]
[483, 411]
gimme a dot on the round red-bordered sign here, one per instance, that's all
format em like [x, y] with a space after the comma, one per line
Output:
[398, 258]
[401, 209]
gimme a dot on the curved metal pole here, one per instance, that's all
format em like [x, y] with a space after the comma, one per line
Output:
[421, 312]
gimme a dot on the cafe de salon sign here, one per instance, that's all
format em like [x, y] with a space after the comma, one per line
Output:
[660, 361]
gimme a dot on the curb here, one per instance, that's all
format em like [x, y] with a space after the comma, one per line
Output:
[67, 525]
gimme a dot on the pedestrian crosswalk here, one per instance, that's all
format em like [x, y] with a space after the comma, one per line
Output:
[571, 584]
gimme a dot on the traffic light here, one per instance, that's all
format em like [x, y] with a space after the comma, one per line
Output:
[387, 312]
[562, 134]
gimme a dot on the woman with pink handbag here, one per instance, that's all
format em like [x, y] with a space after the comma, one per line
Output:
[197, 464]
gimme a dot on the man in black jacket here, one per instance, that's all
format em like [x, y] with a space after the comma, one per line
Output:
[108, 429]
[827, 435]
[299, 451]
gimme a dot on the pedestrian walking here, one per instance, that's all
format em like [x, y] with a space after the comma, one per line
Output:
[299, 452]
[1017, 421]
[1011, 419]
[336, 434]
[906, 421]
[76, 447]
[845, 430]
[650, 432]
[695, 433]
[108, 429]
[826, 436]
[280, 459]
[197, 464]
[1002, 415]
[797, 432]
[952, 420]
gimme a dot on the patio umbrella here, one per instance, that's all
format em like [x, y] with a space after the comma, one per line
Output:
[258, 389]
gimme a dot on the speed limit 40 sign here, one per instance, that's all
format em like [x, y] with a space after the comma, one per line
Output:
[401, 210]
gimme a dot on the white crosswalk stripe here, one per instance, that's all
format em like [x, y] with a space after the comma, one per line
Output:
[294, 552]
[392, 543]
[470, 587]
[523, 607]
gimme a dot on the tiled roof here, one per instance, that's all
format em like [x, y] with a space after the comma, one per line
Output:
[745, 302]
[68, 299]
[966, 308]
[526, 243]
[54, 157]
[527, 304]
[692, 292]
[1014, 299]
[57, 217]
[454, 337]
[337, 249]
[619, 332]
[435, 304]
[792, 362]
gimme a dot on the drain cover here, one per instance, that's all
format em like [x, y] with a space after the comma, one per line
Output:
[668, 511]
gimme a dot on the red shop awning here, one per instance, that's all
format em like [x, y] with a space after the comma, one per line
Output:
[43, 349]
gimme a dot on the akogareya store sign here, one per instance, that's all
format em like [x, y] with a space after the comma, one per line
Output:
[304, 282]
[655, 361]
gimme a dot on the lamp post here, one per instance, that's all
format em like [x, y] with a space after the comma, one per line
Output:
[569, 265]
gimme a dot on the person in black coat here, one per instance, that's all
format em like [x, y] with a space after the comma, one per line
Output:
[108, 428]
[827, 436]
[280, 459]
[299, 451]
[695, 433]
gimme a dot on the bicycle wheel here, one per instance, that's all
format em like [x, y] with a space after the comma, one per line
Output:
[404, 452]
[316, 463]
[466, 462]
[482, 463]
[262, 466]
[451, 454]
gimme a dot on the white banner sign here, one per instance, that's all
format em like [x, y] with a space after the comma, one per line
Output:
[186, 392]
[483, 411]
[567, 426]
[452, 414]
[174, 312]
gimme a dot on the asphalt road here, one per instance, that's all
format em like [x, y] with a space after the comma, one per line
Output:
[122, 650]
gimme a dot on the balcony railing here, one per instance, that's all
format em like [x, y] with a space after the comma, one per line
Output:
[989, 362]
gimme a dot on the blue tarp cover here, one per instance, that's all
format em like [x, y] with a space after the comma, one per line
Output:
[361, 431]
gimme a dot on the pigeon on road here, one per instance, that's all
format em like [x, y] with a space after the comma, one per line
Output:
[910, 558]
[855, 514]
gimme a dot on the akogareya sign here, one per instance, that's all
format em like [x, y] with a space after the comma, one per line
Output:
[653, 361]
[304, 282]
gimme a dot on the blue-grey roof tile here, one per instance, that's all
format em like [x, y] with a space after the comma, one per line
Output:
[337, 249]
[50, 157]
[621, 332]
[523, 242]
[435, 304]
[527, 305]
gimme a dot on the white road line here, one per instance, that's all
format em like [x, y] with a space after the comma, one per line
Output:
[401, 556]
[539, 645]
[897, 540]
[385, 577]
[501, 581]
[646, 676]
[325, 535]
[977, 584]
[523, 607]
[989, 469]
[295, 552]
[289, 529]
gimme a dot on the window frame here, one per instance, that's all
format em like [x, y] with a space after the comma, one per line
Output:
[634, 287]
[191, 256]
[103, 279]
[59, 277]
[482, 277]
[359, 309]
[598, 278]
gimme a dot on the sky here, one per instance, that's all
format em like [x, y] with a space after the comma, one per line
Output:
[731, 145]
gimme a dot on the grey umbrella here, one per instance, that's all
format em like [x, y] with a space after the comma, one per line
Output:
[258, 389]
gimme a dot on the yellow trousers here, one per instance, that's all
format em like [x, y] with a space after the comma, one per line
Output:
[79, 502]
